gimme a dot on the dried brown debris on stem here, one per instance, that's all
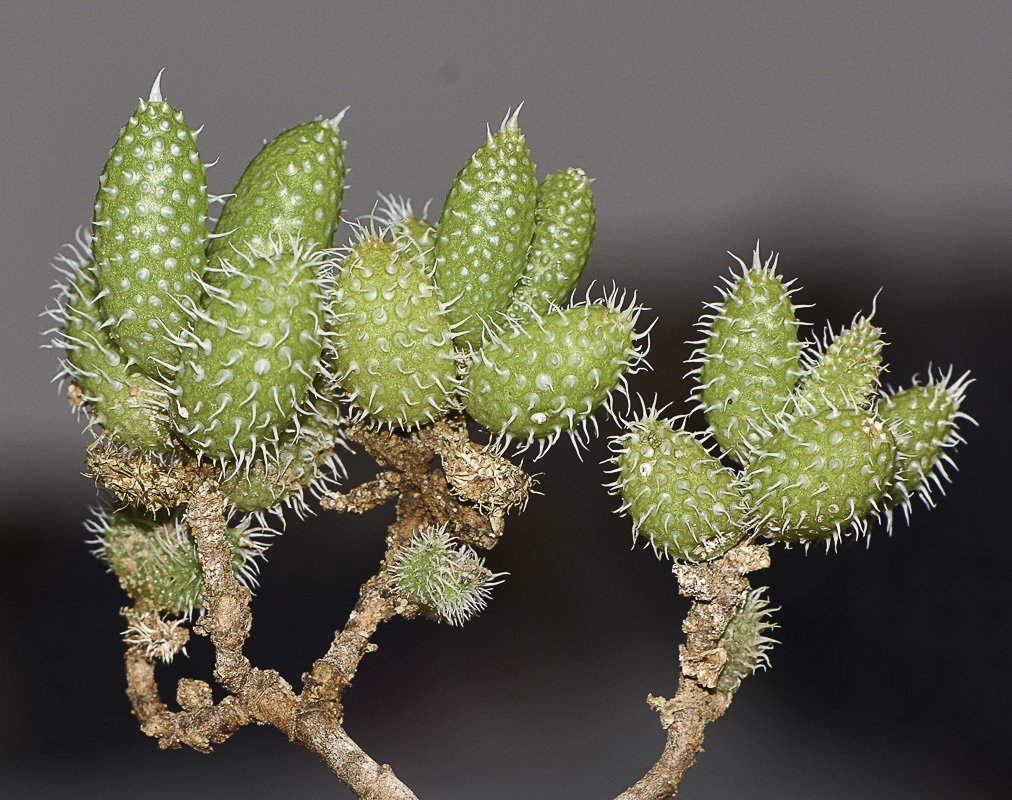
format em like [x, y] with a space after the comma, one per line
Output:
[141, 481]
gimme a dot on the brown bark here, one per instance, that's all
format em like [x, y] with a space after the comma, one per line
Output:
[716, 589]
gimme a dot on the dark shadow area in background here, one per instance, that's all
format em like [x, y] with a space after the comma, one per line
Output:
[898, 651]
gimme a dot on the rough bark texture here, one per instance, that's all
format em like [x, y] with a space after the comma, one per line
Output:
[437, 476]
[716, 589]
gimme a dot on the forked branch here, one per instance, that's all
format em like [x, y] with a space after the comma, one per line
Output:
[437, 477]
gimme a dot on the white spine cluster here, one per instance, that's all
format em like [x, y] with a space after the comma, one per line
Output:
[438, 572]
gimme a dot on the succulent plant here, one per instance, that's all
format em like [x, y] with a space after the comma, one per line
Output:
[225, 371]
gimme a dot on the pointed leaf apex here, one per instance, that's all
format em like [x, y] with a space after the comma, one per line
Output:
[155, 95]
[334, 122]
[510, 120]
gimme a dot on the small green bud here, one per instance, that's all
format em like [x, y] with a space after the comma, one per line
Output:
[150, 228]
[292, 188]
[436, 572]
[817, 475]
[393, 344]
[564, 229]
[416, 237]
[547, 377]
[748, 358]
[745, 642]
[679, 496]
[155, 557]
[485, 230]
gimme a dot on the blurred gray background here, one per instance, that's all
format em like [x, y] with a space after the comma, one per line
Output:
[868, 143]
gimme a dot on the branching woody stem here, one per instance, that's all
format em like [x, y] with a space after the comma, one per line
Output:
[437, 477]
[254, 694]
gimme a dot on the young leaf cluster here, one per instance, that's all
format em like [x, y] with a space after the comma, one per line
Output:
[801, 444]
[240, 344]
[252, 346]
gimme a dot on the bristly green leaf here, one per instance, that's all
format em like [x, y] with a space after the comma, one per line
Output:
[925, 420]
[155, 557]
[844, 371]
[150, 228]
[292, 188]
[256, 349]
[541, 379]
[818, 475]
[747, 361]
[306, 459]
[564, 229]
[745, 642]
[393, 345]
[413, 235]
[128, 405]
[680, 498]
[485, 230]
